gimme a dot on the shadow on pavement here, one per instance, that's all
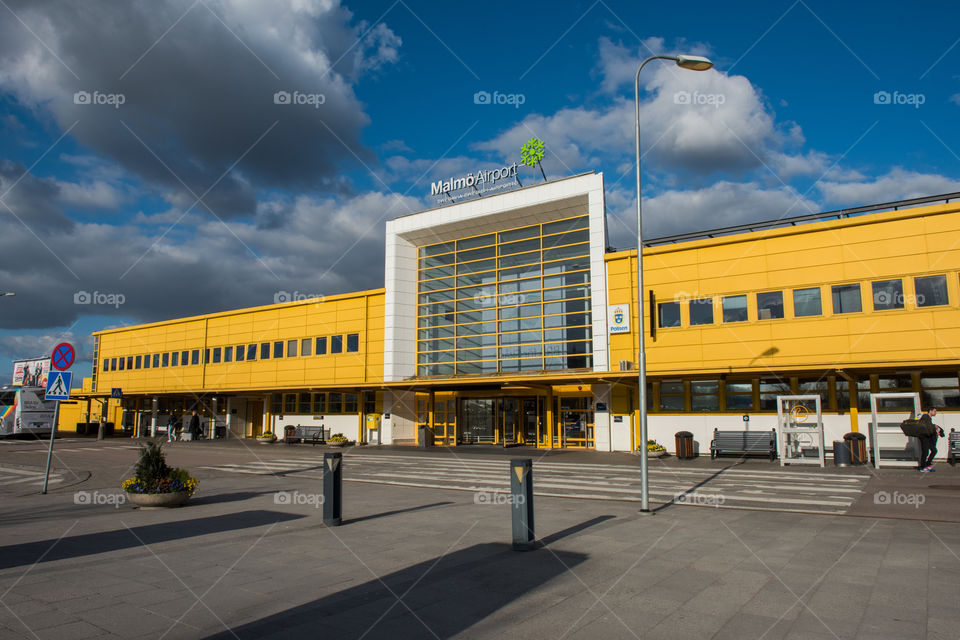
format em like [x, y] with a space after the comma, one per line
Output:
[236, 496]
[396, 511]
[103, 542]
[569, 531]
[439, 597]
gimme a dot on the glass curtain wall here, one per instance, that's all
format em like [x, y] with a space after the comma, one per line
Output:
[516, 300]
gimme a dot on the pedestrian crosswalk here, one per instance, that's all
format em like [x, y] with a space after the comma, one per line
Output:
[59, 448]
[14, 476]
[773, 489]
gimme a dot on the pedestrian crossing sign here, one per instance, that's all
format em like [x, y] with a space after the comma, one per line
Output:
[58, 385]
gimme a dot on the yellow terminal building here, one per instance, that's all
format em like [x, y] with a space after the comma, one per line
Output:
[507, 320]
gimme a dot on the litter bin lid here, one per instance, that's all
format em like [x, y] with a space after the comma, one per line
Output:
[853, 435]
[683, 434]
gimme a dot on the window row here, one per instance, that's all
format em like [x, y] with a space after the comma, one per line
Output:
[313, 404]
[492, 367]
[506, 313]
[239, 353]
[760, 394]
[886, 295]
[507, 238]
[555, 274]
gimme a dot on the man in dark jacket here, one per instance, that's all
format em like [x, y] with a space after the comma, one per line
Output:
[928, 443]
[195, 426]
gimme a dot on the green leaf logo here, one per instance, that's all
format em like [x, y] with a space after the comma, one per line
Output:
[532, 153]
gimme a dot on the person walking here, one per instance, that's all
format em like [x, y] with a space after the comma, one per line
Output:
[928, 443]
[172, 427]
[195, 425]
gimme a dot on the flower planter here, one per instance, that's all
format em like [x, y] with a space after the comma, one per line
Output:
[158, 500]
[339, 444]
[266, 440]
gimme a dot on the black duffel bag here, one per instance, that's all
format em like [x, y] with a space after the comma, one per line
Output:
[913, 427]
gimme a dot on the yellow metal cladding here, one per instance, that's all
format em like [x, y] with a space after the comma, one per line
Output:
[876, 253]
[283, 326]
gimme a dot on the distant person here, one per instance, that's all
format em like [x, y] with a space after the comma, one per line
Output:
[195, 425]
[928, 444]
[172, 428]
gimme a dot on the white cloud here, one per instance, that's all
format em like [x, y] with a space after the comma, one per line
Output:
[897, 184]
[90, 195]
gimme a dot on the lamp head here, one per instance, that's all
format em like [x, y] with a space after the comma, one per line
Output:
[695, 63]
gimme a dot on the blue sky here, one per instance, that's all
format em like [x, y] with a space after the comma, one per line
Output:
[188, 190]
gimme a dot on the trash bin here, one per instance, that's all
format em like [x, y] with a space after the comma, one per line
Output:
[857, 445]
[426, 437]
[220, 432]
[82, 428]
[841, 453]
[684, 445]
[289, 433]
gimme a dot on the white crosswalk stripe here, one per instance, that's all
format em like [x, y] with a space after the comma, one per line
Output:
[781, 490]
[12, 475]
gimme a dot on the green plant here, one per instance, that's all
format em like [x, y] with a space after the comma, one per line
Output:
[266, 434]
[338, 437]
[152, 474]
[152, 466]
[653, 445]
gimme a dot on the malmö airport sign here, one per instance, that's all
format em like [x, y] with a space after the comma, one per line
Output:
[506, 319]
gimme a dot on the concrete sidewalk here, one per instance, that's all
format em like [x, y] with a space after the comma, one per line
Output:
[414, 563]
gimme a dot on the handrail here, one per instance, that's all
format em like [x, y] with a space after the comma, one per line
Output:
[812, 217]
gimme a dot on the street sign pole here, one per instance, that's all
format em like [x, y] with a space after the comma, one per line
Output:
[53, 432]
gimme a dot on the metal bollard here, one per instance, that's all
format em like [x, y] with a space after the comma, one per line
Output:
[332, 489]
[521, 503]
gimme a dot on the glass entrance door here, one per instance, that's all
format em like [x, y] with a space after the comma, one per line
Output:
[479, 422]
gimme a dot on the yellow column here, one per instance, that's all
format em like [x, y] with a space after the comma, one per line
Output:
[430, 412]
[854, 422]
[550, 421]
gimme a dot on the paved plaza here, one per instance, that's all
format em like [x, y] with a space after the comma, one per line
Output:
[249, 557]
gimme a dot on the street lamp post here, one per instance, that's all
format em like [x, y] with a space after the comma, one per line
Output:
[694, 63]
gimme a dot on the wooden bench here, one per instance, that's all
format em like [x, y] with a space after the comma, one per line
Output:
[764, 442]
[953, 446]
[314, 434]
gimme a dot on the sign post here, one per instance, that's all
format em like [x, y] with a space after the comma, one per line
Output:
[59, 383]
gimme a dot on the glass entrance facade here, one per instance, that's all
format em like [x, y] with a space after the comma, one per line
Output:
[511, 301]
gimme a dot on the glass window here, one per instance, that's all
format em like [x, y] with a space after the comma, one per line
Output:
[668, 314]
[319, 403]
[565, 225]
[769, 305]
[251, 352]
[228, 354]
[671, 396]
[241, 351]
[156, 361]
[290, 403]
[276, 404]
[166, 360]
[701, 311]
[129, 362]
[146, 362]
[122, 362]
[306, 347]
[806, 302]
[184, 358]
[770, 388]
[336, 344]
[887, 294]
[519, 234]
[349, 403]
[264, 350]
[322, 346]
[206, 356]
[335, 403]
[106, 364]
[175, 359]
[304, 404]
[216, 355]
[195, 356]
[292, 348]
[478, 241]
[940, 390]
[931, 290]
[846, 298]
[435, 249]
[739, 396]
[138, 361]
[278, 349]
[353, 342]
[735, 308]
[705, 395]
[813, 387]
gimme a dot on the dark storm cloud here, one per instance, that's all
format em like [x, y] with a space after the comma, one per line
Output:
[193, 87]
